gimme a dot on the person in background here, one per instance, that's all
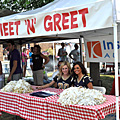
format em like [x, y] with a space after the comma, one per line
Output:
[15, 66]
[75, 54]
[2, 77]
[62, 53]
[5, 53]
[81, 79]
[63, 78]
[51, 57]
[46, 80]
[24, 61]
[1, 68]
[57, 72]
[30, 56]
[50, 51]
[112, 92]
[38, 65]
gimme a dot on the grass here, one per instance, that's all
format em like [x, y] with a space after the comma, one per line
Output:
[107, 81]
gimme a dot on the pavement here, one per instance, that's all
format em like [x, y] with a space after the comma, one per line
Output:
[110, 117]
[6, 116]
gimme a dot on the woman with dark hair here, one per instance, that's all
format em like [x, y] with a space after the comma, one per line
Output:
[63, 78]
[80, 76]
[38, 65]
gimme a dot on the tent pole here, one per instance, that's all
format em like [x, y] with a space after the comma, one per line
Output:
[116, 59]
[80, 43]
[116, 71]
[20, 42]
[53, 57]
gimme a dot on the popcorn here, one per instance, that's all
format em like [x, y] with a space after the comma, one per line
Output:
[9, 87]
[20, 86]
[81, 96]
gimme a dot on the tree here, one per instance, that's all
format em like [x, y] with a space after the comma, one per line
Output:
[22, 5]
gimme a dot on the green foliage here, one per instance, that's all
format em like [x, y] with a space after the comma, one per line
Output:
[46, 50]
[107, 81]
[23, 5]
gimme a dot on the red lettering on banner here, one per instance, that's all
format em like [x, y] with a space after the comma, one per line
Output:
[17, 23]
[57, 18]
[83, 12]
[30, 25]
[5, 28]
[1, 31]
[73, 19]
[64, 20]
[60, 21]
[50, 26]
[11, 28]
[8, 28]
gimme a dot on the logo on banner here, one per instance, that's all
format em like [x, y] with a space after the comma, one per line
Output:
[94, 49]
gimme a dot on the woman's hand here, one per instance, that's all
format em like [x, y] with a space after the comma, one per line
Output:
[43, 66]
[80, 87]
[39, 88]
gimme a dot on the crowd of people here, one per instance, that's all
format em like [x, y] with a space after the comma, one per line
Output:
[66, 76]
[63, 78]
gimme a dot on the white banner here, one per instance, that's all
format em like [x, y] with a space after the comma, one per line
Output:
[101, 49]
[92, 16]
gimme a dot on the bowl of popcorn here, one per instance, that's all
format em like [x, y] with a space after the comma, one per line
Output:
[81, 96]
[20, 86]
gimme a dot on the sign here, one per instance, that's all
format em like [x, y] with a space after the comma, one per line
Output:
[59, 21]
[101, 49]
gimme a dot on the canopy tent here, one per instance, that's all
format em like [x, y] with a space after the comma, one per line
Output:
[60, 20]
[63, 19]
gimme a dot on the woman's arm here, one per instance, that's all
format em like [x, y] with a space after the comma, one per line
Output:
[46, 86]
[23, 57]
[13, 70]
[59, 53]
[46, 58]
[90, 86]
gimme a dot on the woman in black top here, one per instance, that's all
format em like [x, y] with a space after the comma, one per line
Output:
[38, 65]
[80, 76]
[63, 79]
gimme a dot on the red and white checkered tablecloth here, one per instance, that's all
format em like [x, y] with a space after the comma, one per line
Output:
[56, 111]
[36, 108]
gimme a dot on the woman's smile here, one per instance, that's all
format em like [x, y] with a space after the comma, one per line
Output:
[77, 69]
[65, 69]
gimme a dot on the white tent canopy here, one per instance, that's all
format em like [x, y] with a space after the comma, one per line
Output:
[63, 19]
